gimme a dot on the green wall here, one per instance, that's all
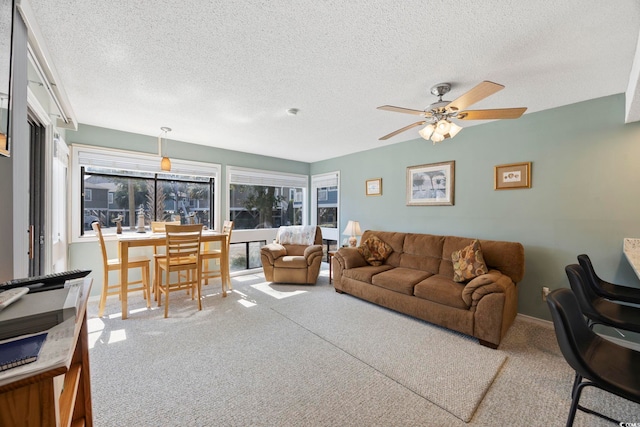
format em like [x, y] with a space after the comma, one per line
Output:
[583, 199]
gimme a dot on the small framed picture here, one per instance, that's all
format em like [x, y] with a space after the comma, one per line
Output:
[512, 176]
[374, 187]
[431, 185]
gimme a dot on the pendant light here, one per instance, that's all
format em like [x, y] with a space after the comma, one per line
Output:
[165, 163]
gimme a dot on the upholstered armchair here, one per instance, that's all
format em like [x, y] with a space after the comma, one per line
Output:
[294, 257]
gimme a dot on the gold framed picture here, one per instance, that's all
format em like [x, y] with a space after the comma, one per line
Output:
[431, 185]
[512, 176]
[374, 187]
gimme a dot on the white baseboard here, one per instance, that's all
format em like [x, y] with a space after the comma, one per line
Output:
[549, 324]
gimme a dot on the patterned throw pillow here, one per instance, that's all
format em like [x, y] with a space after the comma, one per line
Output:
[374, 250]
[468, 263]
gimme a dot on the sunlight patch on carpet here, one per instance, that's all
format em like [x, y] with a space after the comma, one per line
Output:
[267, 289]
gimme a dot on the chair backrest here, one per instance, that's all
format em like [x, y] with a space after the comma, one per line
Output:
[159, 226]
[103, 247]
[582, 291]
[227, 228]
[183, 242]
[590, 274]
[573, 335]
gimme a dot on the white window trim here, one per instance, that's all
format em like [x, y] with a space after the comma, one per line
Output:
[247, 176]
[110, 158]
[329, 179]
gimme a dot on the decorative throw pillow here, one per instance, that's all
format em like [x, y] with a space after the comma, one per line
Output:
[374, 250]
[468, 263]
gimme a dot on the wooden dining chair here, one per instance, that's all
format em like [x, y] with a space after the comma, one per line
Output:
[158, 251]
[141, 262]
[182, 255]
[209, 253]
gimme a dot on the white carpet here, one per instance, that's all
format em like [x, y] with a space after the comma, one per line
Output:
[449, 369]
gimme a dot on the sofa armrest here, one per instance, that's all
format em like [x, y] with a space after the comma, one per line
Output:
[273, 251]
[312, 252]
[350, 258]
[490, 283]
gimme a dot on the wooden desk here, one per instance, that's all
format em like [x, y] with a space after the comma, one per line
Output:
[55, 390]
[126, 241]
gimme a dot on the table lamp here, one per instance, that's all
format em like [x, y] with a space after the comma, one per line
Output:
[352, 229]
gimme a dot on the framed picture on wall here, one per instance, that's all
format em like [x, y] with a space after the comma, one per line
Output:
[512, 176]
[374, 187]
[431, 184]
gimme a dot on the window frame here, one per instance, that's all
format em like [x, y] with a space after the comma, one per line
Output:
[328, 179]
[113, 158]
[263, 177]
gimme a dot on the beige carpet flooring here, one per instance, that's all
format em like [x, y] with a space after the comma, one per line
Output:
[288, 355]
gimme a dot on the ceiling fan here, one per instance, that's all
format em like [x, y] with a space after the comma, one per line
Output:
[439, 114]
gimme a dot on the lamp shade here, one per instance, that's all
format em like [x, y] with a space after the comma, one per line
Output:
[165, 164]
[352, 229]
[426, 131]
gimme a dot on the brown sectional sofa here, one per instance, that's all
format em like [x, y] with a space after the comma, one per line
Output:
[417, 279]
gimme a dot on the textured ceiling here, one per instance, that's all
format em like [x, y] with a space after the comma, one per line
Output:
[223, 73]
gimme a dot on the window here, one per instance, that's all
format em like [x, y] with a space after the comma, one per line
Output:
[264, 199]
[325, 202]
[125, 184]
[88, 195]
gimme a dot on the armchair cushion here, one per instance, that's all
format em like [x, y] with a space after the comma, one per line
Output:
[274, 251]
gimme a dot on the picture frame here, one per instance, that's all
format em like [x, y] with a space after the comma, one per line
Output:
[373, 187]
[512, 176]
[431, 184]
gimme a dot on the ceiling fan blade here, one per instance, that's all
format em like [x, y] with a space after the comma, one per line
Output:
[402, 130]
[500, 113]
[402, 110]
[478, 93]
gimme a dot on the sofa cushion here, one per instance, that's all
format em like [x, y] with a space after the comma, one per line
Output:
[399, 279]
[442, 290]
[364, 274]
[422, 252]
[374, 250]
[468, 263]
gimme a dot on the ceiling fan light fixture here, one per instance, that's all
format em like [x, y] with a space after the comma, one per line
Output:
[436, 137]
[443, 126]
[454, 129]
[427, 131]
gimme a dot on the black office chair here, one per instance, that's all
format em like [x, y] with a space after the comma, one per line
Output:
[597, 309]
[606, 289]
[598, 362]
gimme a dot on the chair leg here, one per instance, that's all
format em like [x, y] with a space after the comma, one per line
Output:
[103, 294]
[574, 404]
[166, 297]
[145, 284]
[197, 281]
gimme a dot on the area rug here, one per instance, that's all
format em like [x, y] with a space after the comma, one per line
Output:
[449, 369]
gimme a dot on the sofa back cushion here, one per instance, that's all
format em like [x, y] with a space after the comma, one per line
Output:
[393, 239]
[422, 252]
[507, 257]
